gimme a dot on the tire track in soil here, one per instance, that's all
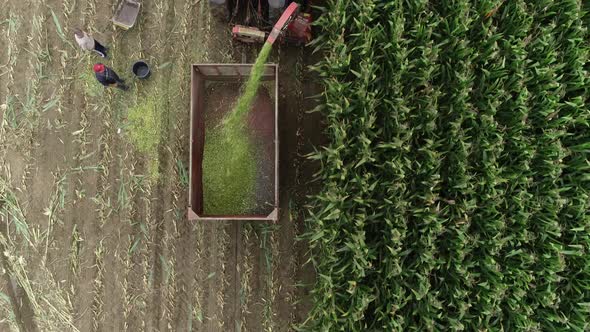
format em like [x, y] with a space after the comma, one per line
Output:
[184, 278]
[115, 233]
[154, 313]
[8, 34]
[257, 283]
[13, 152]
[245, 274]
[137, 273]
[4, 57]
[309, 136]
[231, 313]
[119, 229]
[286, 269]
[168, 257]
[106, 224]
[184, 265]
[184, 256]
[216, 240]
[299, 134]
[72, 99]
[286, 259]
[107, 302]
[84, 214]
[195, 322]
[16, 8]
[84, 218]
[209, 275]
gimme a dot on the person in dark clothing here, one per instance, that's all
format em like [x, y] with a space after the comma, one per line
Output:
[107, 77]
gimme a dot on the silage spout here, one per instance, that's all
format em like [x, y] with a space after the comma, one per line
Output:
[288, 15]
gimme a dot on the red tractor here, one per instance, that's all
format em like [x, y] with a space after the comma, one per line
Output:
[253, 19]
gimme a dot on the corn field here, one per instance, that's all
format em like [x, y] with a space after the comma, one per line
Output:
[456, 181]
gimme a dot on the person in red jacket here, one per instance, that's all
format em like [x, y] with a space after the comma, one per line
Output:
[107, 77]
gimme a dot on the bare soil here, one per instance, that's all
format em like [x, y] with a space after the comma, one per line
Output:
[110, 248]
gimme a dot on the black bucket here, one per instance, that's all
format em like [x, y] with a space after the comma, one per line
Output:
[141, 69]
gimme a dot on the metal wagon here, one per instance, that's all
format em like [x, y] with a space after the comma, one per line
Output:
[228, 78]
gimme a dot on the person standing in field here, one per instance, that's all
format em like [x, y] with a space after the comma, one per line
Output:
[88, 43]
[107, 77]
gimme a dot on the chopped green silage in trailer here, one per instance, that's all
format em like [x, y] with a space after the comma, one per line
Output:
[234, 163]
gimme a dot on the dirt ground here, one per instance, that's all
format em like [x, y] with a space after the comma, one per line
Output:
[90, 241]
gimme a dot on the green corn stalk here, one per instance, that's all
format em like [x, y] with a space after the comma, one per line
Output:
[455, 182]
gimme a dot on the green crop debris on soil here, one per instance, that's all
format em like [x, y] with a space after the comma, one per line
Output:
[144, 131]
[229, 158]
